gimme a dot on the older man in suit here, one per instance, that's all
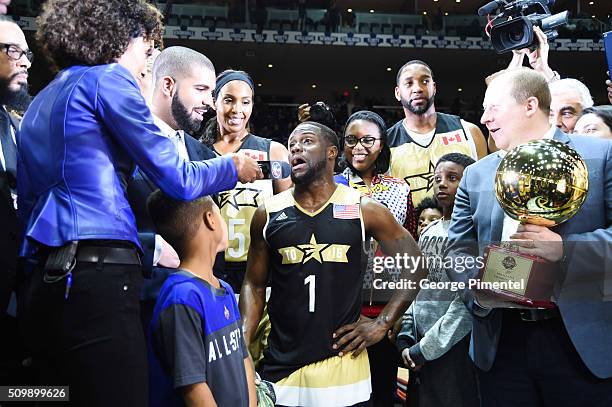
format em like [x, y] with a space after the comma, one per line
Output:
[182, 81]
[539, 357]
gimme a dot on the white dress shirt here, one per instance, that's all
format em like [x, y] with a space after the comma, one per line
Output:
[178, 138]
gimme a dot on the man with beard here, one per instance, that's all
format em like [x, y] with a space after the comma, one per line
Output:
[424, 135]
[306, 242]
[182, 82]
[15, 60]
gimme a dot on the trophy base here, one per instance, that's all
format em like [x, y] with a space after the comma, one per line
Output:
[517, 277]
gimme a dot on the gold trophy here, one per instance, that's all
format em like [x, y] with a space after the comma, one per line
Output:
[543, 182]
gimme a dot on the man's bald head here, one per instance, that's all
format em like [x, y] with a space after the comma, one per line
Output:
[523, 83]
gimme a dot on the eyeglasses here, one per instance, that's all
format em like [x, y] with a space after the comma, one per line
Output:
[367, 141]
[14, 52]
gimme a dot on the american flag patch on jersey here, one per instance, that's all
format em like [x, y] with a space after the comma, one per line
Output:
[346, 211]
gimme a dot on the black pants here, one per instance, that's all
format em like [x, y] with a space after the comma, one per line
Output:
[537, 365]
[449, 381]
[384, 360]
[93, 341]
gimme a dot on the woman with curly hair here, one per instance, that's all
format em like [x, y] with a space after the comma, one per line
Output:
[80, 140]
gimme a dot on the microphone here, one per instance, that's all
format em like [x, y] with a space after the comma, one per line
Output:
[275, 169]
[489, 8]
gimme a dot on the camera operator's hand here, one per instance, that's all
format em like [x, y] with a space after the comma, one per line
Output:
[247, 168]
[538, 59]
[518, 56]
[304, 112]
[609, 84]
[4, 5]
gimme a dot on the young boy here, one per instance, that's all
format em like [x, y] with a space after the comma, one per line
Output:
[434, 337]
[197, 355]
[427, 211]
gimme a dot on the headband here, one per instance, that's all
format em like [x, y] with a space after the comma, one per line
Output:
[224, 78]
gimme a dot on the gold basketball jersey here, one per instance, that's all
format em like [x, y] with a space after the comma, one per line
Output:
[238, 205]
[416, 163]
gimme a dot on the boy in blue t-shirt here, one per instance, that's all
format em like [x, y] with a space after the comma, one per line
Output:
[197, 355]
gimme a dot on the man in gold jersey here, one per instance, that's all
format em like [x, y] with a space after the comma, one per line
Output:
[424, 135]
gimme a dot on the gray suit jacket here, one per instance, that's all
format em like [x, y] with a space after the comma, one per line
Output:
[584, 290]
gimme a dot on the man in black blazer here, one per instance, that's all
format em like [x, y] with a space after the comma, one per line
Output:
[182, 85]
[15, 60]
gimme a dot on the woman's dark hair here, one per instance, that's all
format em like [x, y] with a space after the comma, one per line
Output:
[94, 32]
[381, 165]
[211, 128]
[604, 112]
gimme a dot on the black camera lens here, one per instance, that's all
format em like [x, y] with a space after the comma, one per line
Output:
[515, 33]
[512, 34]
[513, 27]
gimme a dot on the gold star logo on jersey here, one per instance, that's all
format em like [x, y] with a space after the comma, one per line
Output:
[239, 197]
[321, 252]
[422, 181]
[312, 250]
[226, 312]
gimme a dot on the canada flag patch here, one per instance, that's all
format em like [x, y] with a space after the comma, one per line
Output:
[455, 138]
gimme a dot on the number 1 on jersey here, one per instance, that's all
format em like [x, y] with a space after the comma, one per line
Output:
[310, 281]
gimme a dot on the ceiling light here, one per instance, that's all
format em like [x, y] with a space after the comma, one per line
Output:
[270, 66]
[459, 90]
[259, 84]
[355, 87]
[591, 3]
[445, 14]
[424, 13]
[350, 10]
[388, 69]
[314, 86]
[371, 10]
